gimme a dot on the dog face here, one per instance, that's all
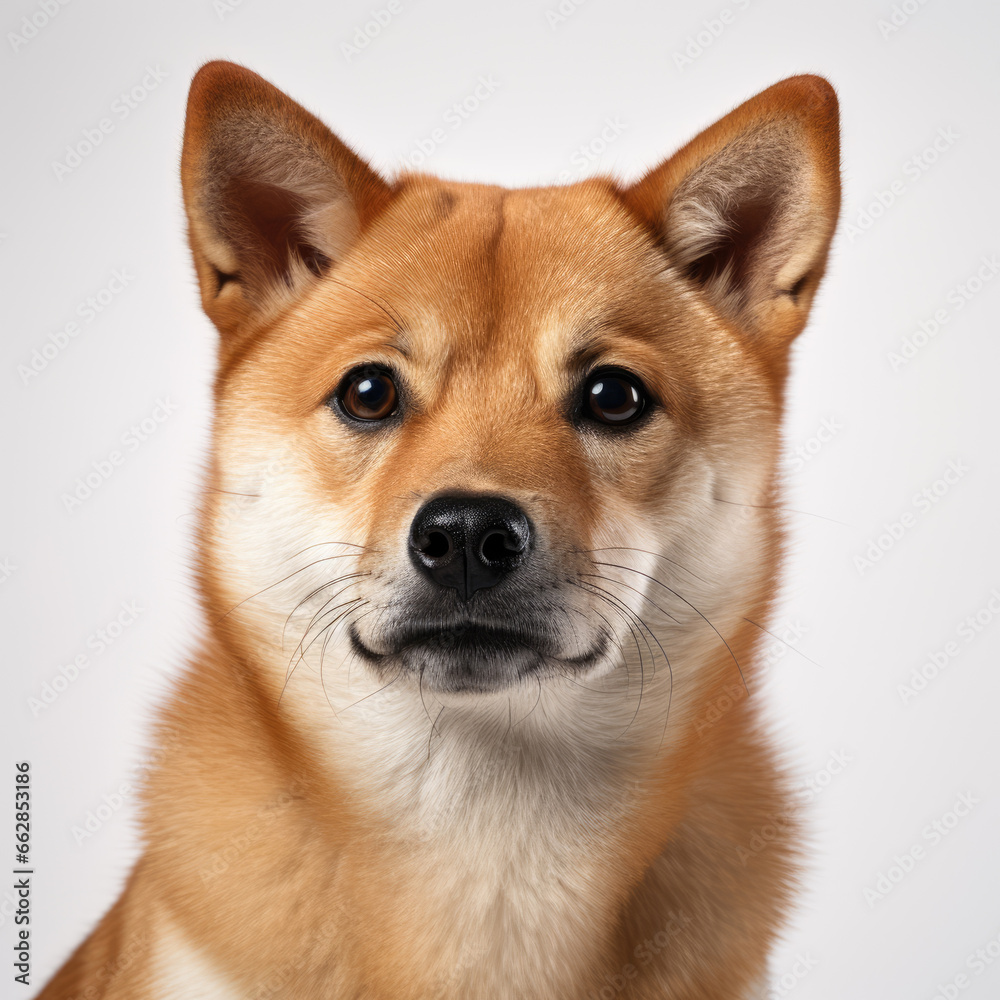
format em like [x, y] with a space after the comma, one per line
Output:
[473, 439]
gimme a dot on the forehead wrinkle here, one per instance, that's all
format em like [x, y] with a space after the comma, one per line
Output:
[466, 280]
[559, 355]
[399, 343]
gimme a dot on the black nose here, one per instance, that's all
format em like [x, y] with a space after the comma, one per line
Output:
[469, 542]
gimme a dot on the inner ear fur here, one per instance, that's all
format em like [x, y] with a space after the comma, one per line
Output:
[746, 210]
[273, 197]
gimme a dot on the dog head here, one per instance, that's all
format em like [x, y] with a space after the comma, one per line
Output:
[474, 440]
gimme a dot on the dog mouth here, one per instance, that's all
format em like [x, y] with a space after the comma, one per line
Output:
[471, 656]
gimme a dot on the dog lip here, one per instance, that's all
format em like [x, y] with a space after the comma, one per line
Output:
[417, 636]
[593, 655]
[360, 648]
[449, 634]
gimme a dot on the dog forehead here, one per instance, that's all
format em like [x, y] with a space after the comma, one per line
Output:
[481, 271]
[536, 236]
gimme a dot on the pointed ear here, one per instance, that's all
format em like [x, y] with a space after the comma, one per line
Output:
[273, 197]
[746, 210]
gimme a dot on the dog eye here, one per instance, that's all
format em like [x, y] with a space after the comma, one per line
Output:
[614, 397]
[368, 394]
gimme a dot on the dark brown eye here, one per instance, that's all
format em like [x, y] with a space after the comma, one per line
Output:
[368, 394]
[614, 397]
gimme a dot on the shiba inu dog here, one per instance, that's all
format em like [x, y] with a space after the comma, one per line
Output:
[489, 547]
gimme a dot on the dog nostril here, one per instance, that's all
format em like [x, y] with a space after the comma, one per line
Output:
[437, 546]
[496, 547]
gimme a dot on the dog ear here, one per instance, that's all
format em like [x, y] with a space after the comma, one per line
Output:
[273, 197]
[747, 209]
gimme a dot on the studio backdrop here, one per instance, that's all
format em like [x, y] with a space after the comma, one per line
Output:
[881, 676]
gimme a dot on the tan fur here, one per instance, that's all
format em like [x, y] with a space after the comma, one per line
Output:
[313, 831]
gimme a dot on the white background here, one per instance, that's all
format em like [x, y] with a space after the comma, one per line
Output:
[863, 630]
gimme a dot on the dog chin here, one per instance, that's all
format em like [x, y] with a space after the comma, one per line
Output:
[471, 658]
